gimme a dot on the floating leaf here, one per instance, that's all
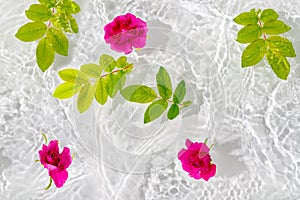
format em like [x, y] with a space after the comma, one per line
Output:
[139, 94]
[121, 82]
[279, 64]
[100, 91]
[38, 12]
[173, 111]
[268, 15]
[85, 97]
[73, 76]
[61, 21]
[282, 46]
[70, 6]
[107, 62]
[249, 33]
[275, 47]
[246, 18]
[44, 54]
[154, 110]
[111, 83]
[92, 70]
[59, 41]
[275, 27]
[48, 3]
[186, 103]
[31, 31]
[164, 84]
[253, 53]
[66, 90]
[73, 24]
[180, 92]
[121, 62]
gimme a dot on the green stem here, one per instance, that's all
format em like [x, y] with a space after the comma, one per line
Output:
[261, 26]
[73, 155]
[205, 141]
[113, 72]
[170, 101]
[49, 23]
[45, 137]
[50, 183]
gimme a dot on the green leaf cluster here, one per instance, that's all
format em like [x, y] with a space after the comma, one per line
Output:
[257, 25]
[51, 19]
[98, 81]
[159, 103]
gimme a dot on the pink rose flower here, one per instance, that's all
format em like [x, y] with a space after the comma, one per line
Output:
[56, 162]
[125, 32]
[196, 160]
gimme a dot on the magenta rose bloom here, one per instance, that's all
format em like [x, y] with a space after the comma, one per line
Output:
[196, 160]
[124, 32]
[56, 162]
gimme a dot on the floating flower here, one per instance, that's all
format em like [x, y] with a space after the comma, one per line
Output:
[124, 32]
[56, 162]
[196, 160]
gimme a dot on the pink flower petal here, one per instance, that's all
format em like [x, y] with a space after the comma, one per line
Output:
[188, 143]
[211, 173]
[66, 158]
[53, 146]
[59, 177]
[181, 153]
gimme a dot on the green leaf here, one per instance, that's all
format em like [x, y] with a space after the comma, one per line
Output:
[44, 54]
[268, 15]
[107, 62]
[73, 24]
[246, 18]
[164, 84]
[122, 62]
[66, 90]
[61, 21]
[75, 8]
[173, 111]
[59, 41]
[85, 97]
[281, 45]
[112, 83]
[38, 12]
[100, 91]
[180, 92]
[254, 52]
[249, 33]
[121, 82]
[73, 76]
[70, 6]
[48, 3]
[154, 110]
[279, 64]
[31, 31]
[92, 70]
[139, 94]
[186, 103]
[275, 27]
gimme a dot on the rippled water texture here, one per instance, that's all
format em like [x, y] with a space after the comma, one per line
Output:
[252, 116]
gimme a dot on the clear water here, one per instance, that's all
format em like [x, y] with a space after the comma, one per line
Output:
[252, 116]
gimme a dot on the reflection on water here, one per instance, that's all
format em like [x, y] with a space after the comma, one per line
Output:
[252, 116]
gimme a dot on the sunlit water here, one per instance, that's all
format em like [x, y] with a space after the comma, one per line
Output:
[252, 117]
